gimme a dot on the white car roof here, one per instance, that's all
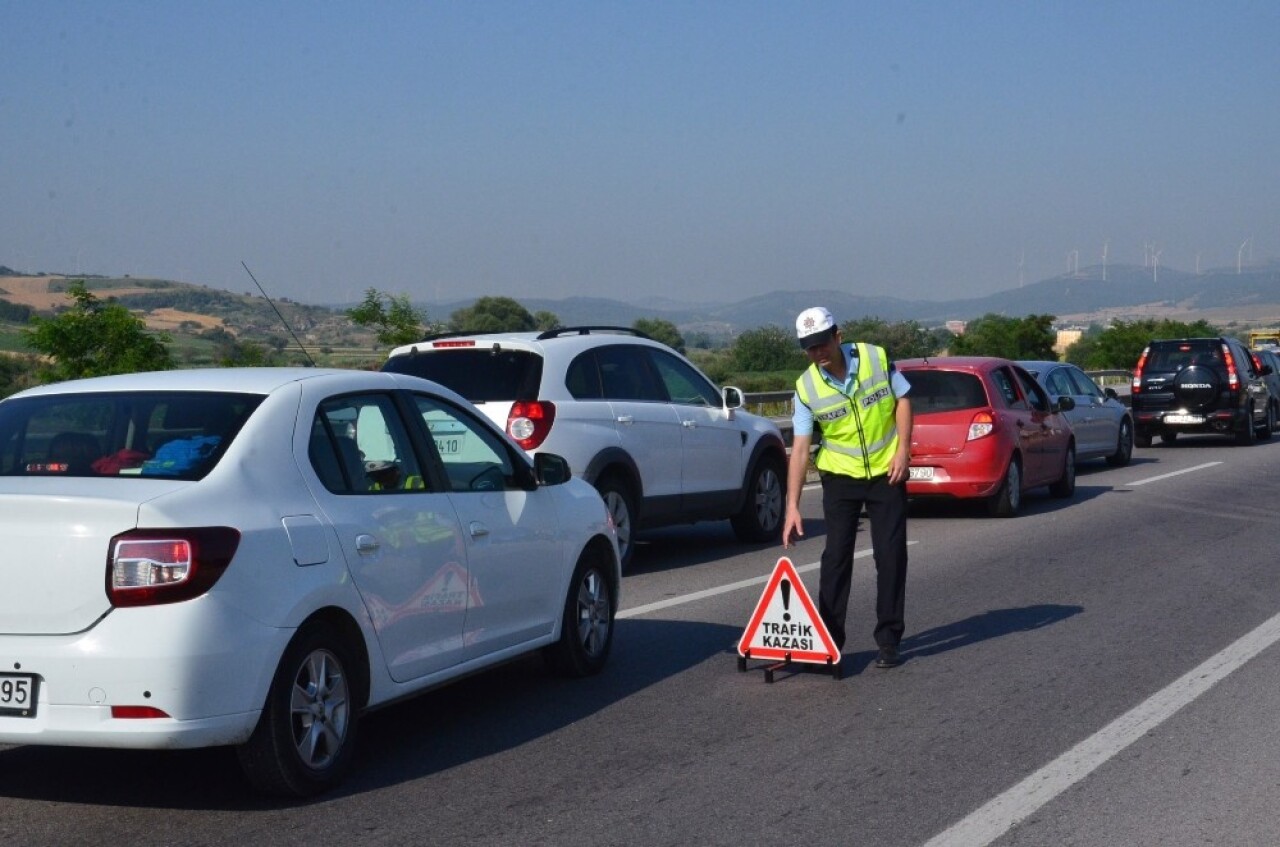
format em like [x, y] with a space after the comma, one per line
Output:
[239, 380]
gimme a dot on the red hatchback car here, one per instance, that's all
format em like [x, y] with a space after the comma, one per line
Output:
[984, 428]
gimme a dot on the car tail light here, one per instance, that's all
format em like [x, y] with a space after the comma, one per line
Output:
[1233, 376]
[148, 567]
[982, 425]
[136, 712]
[453, 344]
[1137, 372]
[529, 422]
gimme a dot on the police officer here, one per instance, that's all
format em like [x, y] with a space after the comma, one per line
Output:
[859, 403]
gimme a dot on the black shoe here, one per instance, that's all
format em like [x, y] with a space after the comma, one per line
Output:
[888, 658]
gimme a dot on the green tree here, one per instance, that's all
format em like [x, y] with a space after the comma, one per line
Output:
[901, 340]
[767, 348]
[660, 330]
[493, 314]
[1119, 345]
[1031, 337]
[95, 338]
[544, 320]
[393, 318]
[17, 373]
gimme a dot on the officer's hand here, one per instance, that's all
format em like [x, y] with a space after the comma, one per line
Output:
[899, 467]
[794, 523]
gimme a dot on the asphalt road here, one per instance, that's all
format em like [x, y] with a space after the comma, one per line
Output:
[1100, 671]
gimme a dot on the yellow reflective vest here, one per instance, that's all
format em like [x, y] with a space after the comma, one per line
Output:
[859, 430]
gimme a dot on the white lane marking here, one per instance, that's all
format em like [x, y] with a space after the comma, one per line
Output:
[1001, 814]
[722, 589]
[1167, 475]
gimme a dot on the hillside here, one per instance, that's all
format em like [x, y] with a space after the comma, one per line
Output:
[196, 316]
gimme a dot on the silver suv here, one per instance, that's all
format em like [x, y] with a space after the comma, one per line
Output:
[634, 418]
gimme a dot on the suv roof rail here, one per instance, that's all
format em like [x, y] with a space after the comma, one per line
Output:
[587, 330]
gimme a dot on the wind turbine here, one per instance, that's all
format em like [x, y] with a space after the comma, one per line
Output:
[1105, 245]
[1155, 265]
[1240, 254]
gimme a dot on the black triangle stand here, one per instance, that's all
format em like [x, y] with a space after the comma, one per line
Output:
[829, 666]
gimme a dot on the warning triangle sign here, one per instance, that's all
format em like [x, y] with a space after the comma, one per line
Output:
[785, 624]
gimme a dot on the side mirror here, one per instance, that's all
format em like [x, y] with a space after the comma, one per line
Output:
[1111, 393]
[1066, 403]
[732, 397]
[551, 469]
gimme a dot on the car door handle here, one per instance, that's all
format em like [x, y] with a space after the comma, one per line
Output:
[625, 419]
[478, 530]
[366, 544]
[689, 424]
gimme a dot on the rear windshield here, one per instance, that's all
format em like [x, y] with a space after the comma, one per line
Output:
[945, 391]
[1174, 355]
[177, 435]
[481, 374]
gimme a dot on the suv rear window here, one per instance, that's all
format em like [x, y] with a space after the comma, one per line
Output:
[1175, 355]
[176, 435]
[945, 391]
[479, 374]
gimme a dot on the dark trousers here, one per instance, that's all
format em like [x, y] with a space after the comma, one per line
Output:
[842, 500]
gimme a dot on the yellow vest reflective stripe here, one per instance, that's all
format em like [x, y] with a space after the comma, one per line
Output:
[859, 430]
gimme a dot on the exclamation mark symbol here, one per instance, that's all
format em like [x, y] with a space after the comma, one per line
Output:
[786, 599]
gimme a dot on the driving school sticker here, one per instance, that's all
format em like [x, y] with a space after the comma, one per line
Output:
[785, 624]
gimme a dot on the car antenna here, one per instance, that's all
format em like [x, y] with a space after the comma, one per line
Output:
[311, 362]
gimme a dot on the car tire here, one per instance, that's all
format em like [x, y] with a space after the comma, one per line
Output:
[1124, 446]
[1008, 500]
[1066, 484]
[303, 742]
[621, 504]
[586, 628]
[1143, 440]
[1269, 427]
[1249, 434]
[1168, 437]
[761, 516]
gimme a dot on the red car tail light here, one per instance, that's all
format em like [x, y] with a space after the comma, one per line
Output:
[529, 422]
[1136, 386]
[453, 344]
[982, 425]
[148, 567]
[1233, 376]
[136, 712]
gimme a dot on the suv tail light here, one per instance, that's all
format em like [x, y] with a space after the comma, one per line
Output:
[529, 422]
[982, 425]
[1137, 372]
[148, 567]
[1233, 376]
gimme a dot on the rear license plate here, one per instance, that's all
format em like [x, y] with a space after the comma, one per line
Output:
[1184, 419]
[18, 695]
[921, 473]
[449, 445]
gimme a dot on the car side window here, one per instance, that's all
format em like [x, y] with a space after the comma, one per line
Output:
[358, 445]
[625, 374]
[1084, 385]
[1005, 386]
[1034, 393]
[475, 458]
[1060, 382]
[582, 378]
[684, 384]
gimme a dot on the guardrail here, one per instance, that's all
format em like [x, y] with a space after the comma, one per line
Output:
[776, 405]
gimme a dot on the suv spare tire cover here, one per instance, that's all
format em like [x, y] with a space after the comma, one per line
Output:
[1196, 386]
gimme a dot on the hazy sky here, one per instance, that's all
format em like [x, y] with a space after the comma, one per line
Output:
[695, 151]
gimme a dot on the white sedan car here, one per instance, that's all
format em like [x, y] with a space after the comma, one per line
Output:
[253, 557]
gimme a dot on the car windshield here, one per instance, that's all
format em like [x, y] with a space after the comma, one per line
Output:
[945, 391]
[176, 435]
[480, 374]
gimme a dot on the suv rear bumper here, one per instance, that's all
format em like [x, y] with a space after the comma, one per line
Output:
[1228, 420]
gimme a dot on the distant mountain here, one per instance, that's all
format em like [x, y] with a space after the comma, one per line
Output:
[1082, 293]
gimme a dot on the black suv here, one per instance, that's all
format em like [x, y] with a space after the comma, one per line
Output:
[1201, 385]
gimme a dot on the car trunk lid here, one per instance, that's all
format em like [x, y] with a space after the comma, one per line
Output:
[54, 558]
